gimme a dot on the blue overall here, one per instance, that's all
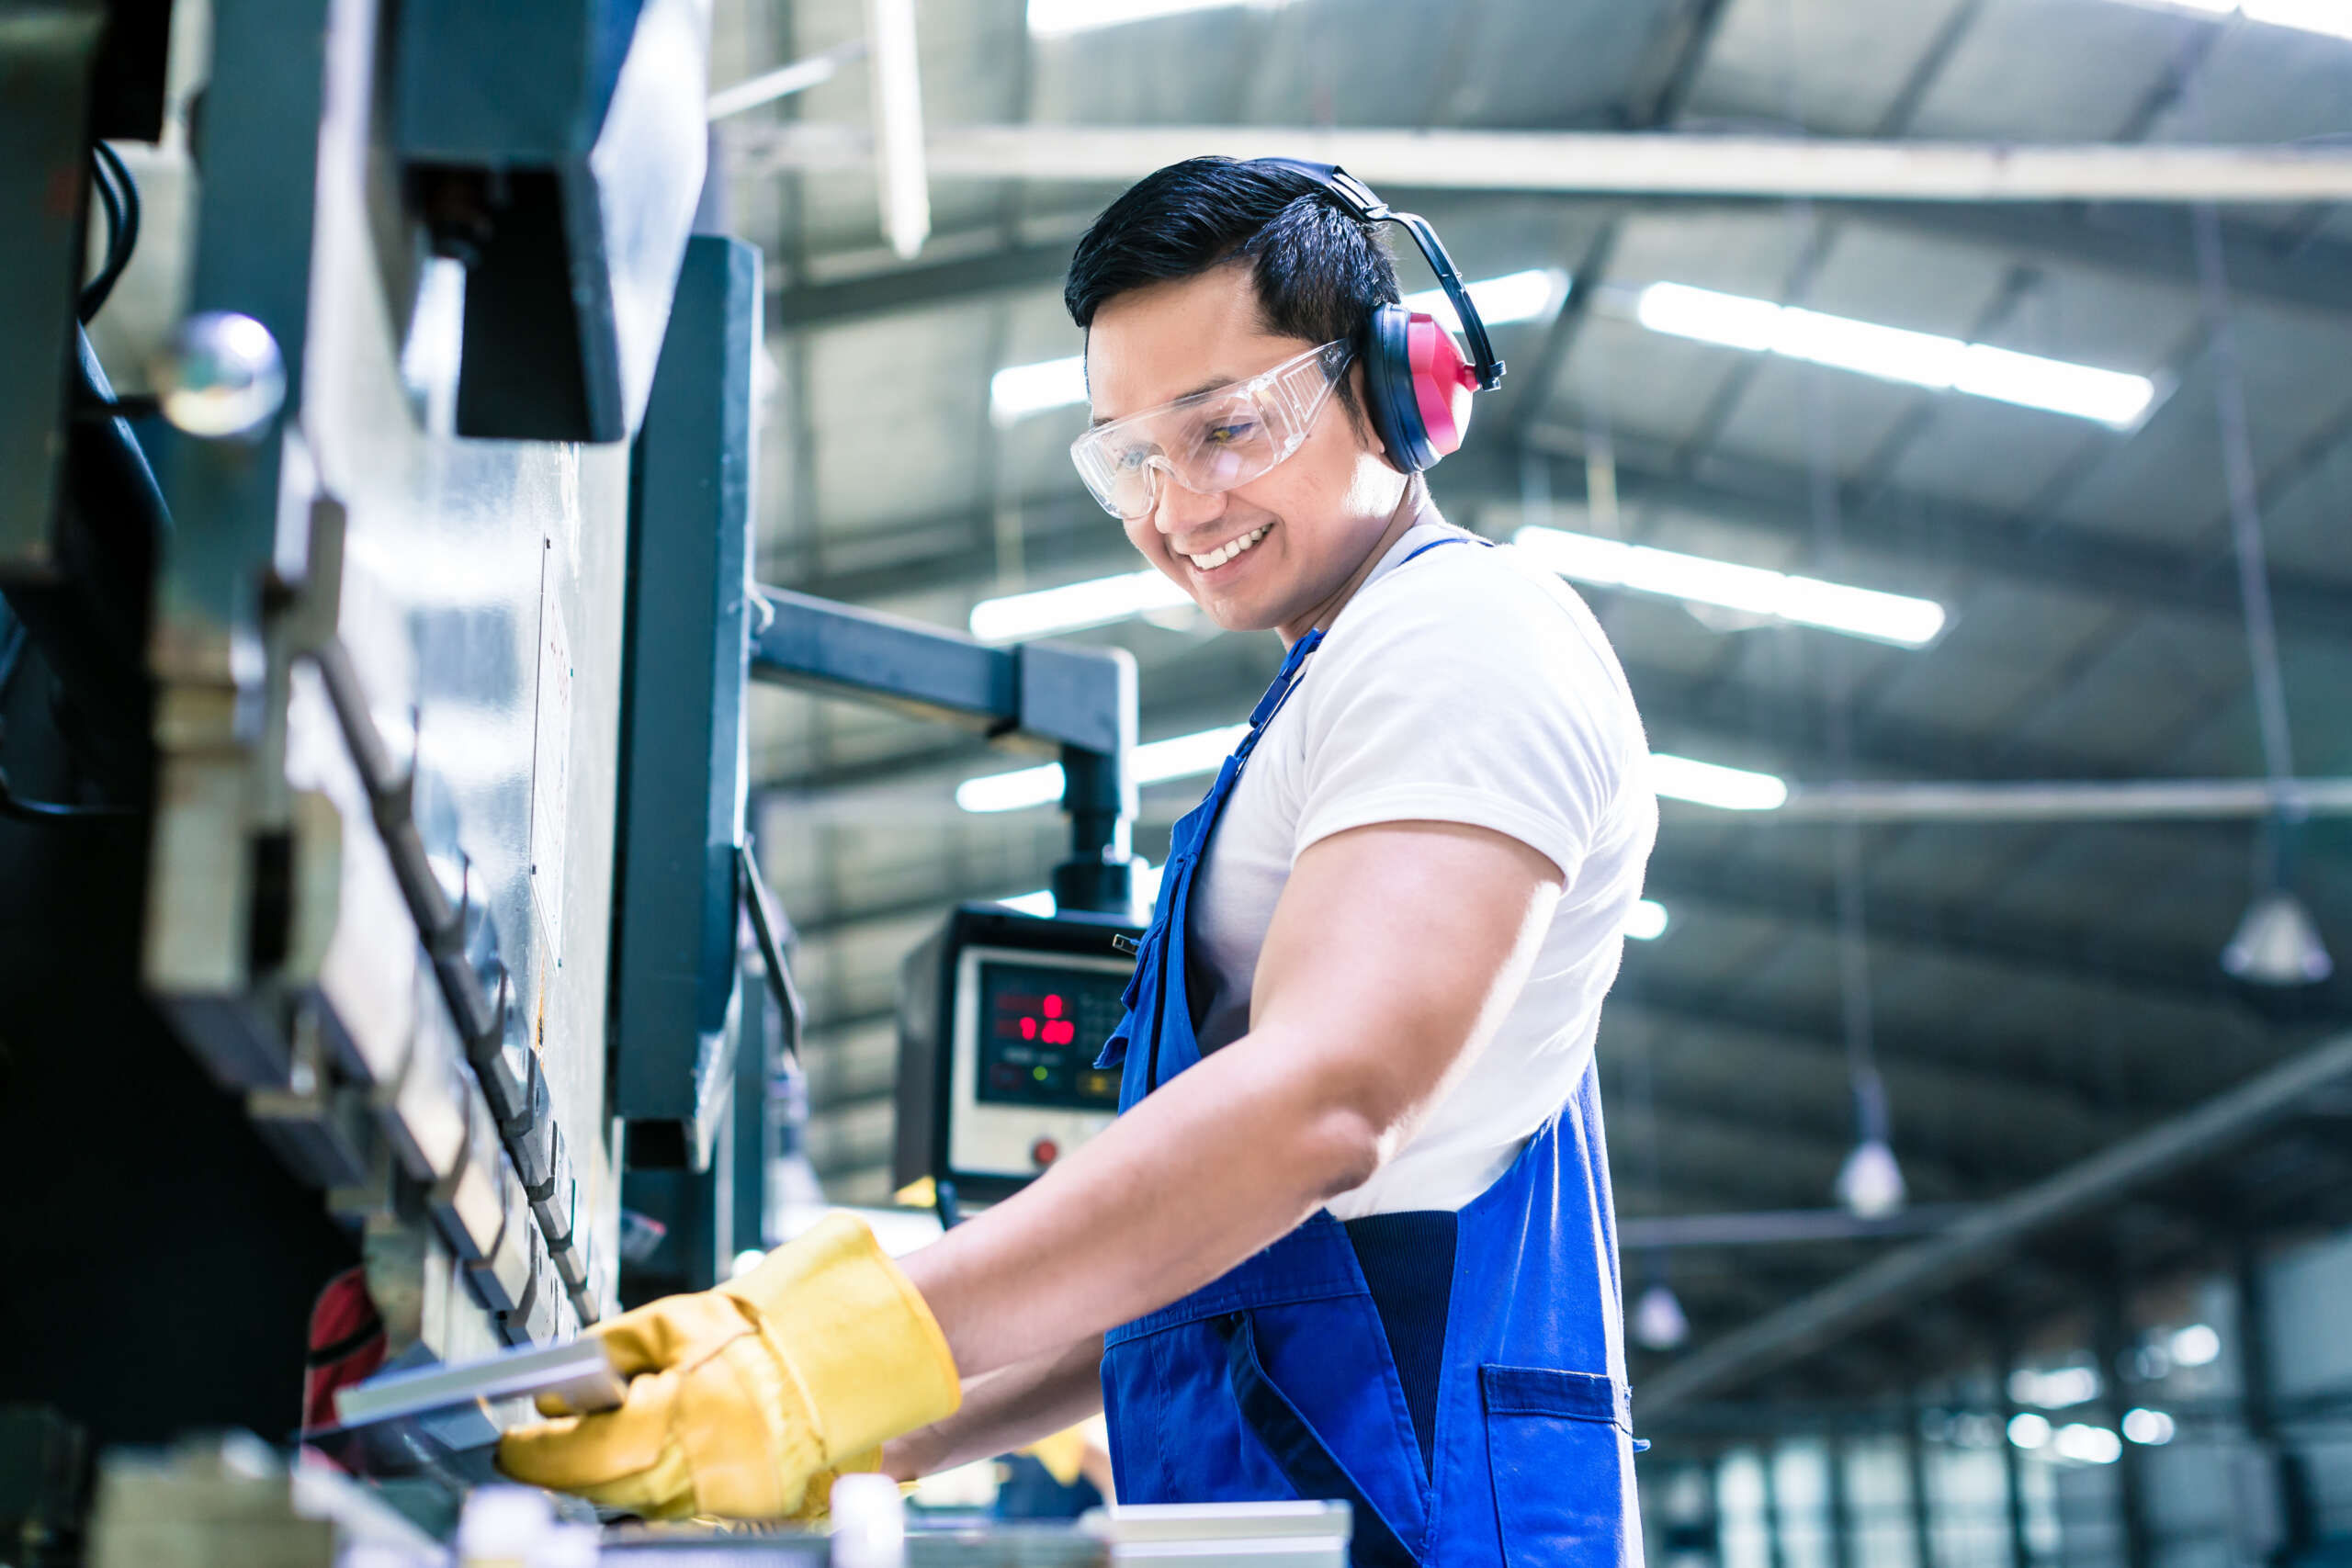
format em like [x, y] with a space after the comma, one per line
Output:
[1457, 1378]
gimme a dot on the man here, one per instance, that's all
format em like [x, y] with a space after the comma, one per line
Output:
[1351, 1236]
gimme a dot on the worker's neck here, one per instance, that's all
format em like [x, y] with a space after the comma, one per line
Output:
[1413, 508]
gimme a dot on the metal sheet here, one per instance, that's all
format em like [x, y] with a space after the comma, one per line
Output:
[580, 1372]
[45, 53]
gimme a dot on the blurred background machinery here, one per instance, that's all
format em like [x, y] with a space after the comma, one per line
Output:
[404, 780]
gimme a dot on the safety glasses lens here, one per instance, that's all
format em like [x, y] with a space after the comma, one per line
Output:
[1211, 442]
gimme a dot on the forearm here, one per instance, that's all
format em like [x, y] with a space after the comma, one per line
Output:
[1219, 1163]
[1004, 1410]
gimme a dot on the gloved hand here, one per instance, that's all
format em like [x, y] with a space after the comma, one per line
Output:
[742, 1397]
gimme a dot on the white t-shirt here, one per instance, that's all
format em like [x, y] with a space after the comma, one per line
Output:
[1472, 687]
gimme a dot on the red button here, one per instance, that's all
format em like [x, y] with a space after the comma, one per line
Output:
[1045, 1151]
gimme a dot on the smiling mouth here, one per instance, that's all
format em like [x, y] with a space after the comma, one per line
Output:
[1226, 551]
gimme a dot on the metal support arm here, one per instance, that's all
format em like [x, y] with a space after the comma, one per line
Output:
[1082, 698]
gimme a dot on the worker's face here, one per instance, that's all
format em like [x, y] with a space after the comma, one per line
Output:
[1321, 511]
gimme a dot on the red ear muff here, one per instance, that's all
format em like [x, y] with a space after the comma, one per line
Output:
[1418, 387]
[1442, 382]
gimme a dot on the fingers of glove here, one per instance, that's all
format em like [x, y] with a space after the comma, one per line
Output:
[577, 1452]
[673, 1332]
[664, 1492]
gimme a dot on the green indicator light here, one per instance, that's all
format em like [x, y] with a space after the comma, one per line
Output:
[1037, 1073]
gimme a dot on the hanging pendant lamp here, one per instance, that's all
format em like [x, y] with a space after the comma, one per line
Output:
[1659, 1323]
[2278, 943]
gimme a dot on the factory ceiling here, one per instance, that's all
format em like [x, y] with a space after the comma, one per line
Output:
[2036, 989]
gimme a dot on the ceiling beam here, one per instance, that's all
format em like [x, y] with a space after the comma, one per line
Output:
[2098, 955]
[1930, 1269]
[1603, 164]
[805, 307]
[2143, 244]
[1932, 1073]
[1681, 711]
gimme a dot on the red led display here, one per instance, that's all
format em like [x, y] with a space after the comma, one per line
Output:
[1040, 1035]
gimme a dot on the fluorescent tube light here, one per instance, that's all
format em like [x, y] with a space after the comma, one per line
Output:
[2198, 1345]
[1041, 901]
[1158, 761]
[1016, 791]
[1055, 18]
[2330, 17]
[1805, 601]
[1019, 390]
[1709, 784]
[2089, 1444]
[2333, 17]
[1098, 602]
[1513, 297]
[1182, 756]
[1646, 922]
[1894, 353]
[902, 179]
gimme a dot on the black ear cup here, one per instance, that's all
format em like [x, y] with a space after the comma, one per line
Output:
[1388, 389]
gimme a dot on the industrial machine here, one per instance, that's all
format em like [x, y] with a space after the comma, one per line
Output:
[378, 925]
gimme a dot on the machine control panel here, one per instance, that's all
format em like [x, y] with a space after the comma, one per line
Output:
[1023, 1089]
[1002, 1015]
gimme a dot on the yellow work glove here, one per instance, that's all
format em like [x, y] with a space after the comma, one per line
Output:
[740, 1399]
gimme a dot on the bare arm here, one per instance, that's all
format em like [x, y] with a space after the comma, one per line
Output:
[1004, 1410]
[1392, 955]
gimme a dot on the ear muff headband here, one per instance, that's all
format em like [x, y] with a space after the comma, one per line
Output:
[1415, 384]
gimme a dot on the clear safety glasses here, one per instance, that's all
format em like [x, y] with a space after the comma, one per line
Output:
[1213, 440]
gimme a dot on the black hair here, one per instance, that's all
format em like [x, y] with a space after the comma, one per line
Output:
[1318, 270]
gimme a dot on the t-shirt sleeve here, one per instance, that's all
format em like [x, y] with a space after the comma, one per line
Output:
[1472, 696]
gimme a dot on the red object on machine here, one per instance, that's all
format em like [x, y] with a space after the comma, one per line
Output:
[346, 1345]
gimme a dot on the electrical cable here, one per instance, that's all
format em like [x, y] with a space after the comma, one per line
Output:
[117, 193]
[12, 805]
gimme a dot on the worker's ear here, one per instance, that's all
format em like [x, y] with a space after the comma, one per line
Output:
[1359, 419]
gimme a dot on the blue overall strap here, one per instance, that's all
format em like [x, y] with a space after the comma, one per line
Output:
[1449, 539]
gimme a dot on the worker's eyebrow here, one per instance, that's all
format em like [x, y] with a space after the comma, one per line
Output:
[1210, 385]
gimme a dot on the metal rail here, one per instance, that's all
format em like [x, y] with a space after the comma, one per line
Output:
[2132, 800]
[1586, 164]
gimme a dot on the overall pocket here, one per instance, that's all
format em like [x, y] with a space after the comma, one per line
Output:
[1560, 1457]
